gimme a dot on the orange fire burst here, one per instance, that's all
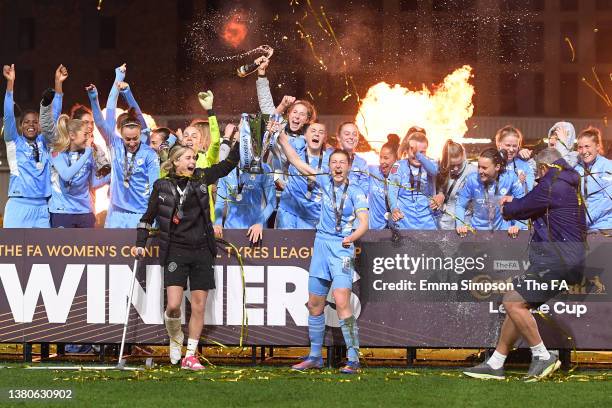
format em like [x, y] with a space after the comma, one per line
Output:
[102, 200]
[443, 112]
[235, 30]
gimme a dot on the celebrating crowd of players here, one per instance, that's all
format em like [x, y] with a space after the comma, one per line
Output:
[55, 167]
[190, 184]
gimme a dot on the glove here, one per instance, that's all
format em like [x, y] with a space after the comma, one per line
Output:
[206, 99]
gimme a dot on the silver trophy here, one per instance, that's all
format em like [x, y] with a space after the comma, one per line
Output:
[256, 141]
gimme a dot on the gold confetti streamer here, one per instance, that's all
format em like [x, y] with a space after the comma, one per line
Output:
[569, 42]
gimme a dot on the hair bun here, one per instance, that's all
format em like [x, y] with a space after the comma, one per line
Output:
[393, 139]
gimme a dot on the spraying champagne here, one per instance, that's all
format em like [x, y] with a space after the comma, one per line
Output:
[248, 69]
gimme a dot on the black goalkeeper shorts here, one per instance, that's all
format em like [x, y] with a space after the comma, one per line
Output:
[193, 265]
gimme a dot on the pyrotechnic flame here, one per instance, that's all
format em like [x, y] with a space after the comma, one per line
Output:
[443, 111]
[235, 30]
[102, 200]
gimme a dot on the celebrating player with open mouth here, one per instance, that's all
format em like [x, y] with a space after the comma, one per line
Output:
[343, 220]
[180, 205]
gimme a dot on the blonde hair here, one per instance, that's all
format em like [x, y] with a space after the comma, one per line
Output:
[64, 127]
[405, 145]
[507, 131]
[204, 127]
[175, 153]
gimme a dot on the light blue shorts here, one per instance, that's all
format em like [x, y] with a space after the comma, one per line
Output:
[21, 212]
[331, 266]
[116, 218]
[287, 220]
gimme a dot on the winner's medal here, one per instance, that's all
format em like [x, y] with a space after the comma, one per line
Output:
[387, 215]
[39, 165]
[126, 184]
[177, 219]
[239, 197]
[308, 194]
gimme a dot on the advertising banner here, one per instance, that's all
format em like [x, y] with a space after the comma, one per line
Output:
[428, 289]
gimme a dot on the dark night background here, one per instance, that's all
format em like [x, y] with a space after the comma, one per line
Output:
[522, 63]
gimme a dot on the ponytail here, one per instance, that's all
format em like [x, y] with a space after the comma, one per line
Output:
[64, 127]
[450, 150]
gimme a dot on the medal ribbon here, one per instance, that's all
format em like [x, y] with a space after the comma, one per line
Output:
[338, 210]
[128, 169]
[311, 183]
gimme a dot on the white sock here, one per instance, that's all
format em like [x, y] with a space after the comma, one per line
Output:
[497, 360]
[192, 345]
[173, 325]
[539, 350]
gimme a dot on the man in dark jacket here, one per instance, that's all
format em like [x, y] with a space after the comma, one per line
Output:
[556, 256]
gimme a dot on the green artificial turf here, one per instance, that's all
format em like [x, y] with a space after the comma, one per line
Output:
[272, 387]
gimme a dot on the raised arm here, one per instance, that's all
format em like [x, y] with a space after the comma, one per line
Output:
[113, 96]
[216, 171]
[430, 166]
[10, 124]
[45, 117]
[294, 159]
[61, 74]
[128, 96]
[264, 96]
[106, 132]
[212, 154]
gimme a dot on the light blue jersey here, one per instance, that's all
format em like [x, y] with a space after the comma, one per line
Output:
[145, 133]
[354, 202]
[249, 199]
[30, 171]
[486, 213]
[520, 167]
[378, 199]
[132, 174]
[332, 265]
[359, 173]
[29, 163]
[596, 185]
[300, 198]
[414, 195]
[73, 179]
